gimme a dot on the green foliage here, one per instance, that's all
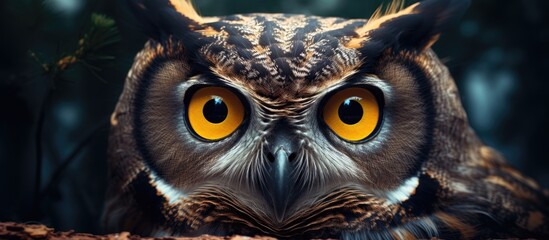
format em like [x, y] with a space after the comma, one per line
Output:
[102, 34]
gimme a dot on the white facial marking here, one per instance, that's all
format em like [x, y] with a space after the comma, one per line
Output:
[171, 194]
[403, 192]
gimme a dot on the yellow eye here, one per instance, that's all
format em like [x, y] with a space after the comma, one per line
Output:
[214, 112]
[352, 113]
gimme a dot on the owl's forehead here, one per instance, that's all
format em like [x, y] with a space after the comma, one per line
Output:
[281, 53]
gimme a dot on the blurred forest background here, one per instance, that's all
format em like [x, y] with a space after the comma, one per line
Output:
[61, 70]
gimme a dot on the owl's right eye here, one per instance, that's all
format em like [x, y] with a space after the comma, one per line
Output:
[214, 113]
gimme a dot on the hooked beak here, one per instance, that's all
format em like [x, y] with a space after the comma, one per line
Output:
[281, 182]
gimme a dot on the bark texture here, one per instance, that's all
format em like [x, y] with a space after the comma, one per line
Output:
[11, 230]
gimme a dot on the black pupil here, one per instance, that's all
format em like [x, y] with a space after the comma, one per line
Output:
[215, 110]
[350, 111]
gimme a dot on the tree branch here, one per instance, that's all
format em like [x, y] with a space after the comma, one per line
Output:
[11, 230]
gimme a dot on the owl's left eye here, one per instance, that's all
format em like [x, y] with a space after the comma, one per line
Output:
[214, 113]
[354, 114]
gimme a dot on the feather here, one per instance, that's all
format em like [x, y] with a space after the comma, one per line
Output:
[162, 18]
[394, 7]
[415, 27]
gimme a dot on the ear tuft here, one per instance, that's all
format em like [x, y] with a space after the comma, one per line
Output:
[186, 8]
[161, 18]
[416, 27]
[394, 7]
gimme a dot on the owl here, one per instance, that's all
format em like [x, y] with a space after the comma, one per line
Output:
[295, 126]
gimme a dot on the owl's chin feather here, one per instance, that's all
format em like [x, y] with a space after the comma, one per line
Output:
[345, 212]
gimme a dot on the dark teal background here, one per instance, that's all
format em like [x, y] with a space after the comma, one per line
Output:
[497, 55]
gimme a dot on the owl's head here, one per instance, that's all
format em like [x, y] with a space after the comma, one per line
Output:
[287, 125]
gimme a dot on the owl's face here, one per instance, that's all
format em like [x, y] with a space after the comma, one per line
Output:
[287, 125]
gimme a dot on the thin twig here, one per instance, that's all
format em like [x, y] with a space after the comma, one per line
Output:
[58, 174]
[35, 212]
